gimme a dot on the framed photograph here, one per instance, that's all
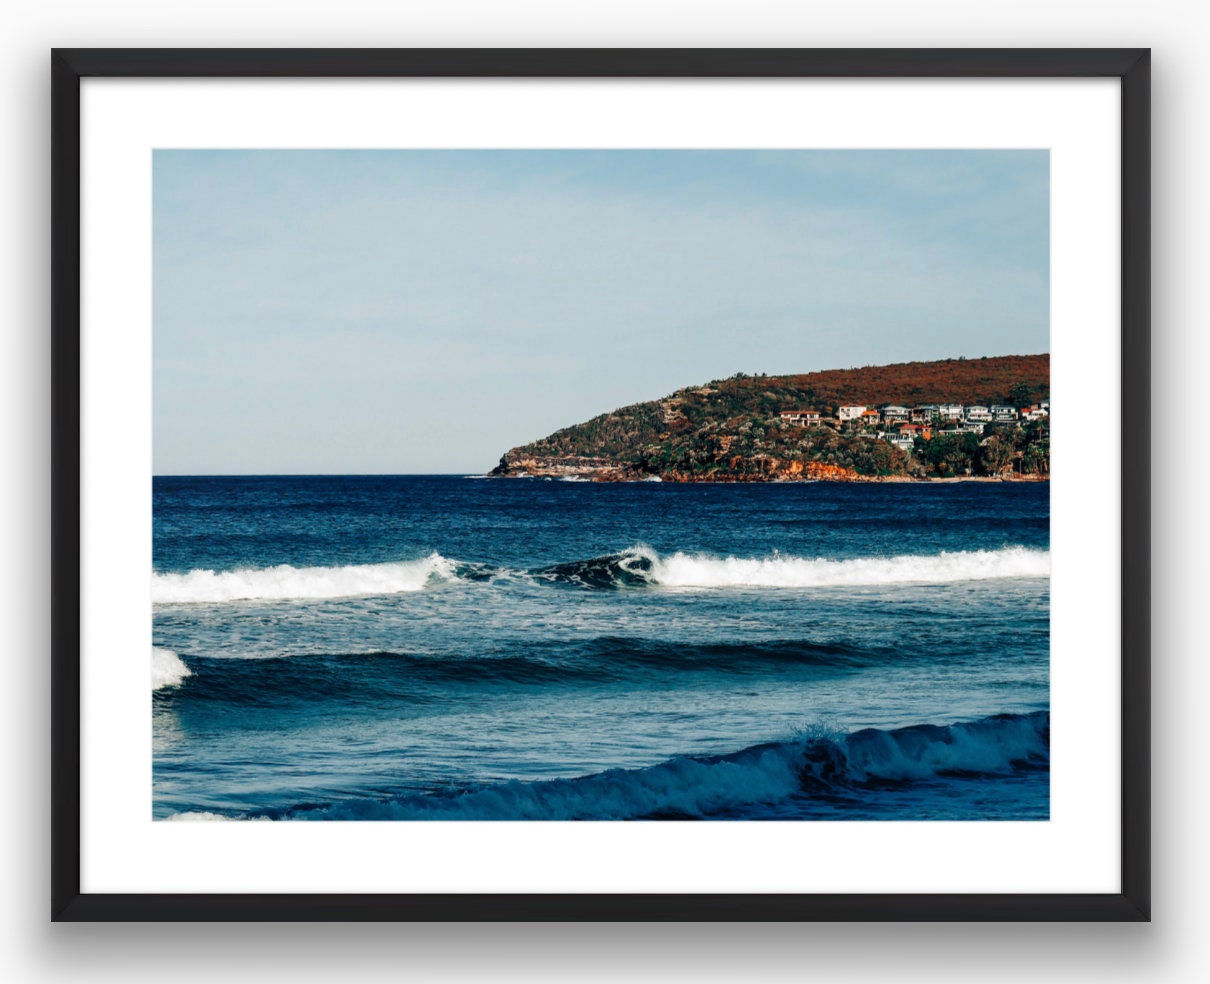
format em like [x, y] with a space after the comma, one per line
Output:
[601, 484]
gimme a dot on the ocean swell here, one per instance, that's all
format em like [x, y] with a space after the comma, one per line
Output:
[698, 787]
[281, 681]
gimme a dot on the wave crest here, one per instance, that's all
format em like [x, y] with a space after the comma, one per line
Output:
[722, 785]
[1001, 744]
[282, 680]
[641, 565]
[167, 669]
[286, 582]
[637, 567]
[686, 570]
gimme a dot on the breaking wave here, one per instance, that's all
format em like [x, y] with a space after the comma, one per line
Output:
[284, 581]
[167, 670]
[641, 565]
[636, 567]
[724, 785]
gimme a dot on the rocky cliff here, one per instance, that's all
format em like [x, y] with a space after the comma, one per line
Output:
[762, 468]
[518, 462]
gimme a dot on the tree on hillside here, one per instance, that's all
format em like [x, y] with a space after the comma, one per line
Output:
[995, 454]
[1035, 460]
[951, 454]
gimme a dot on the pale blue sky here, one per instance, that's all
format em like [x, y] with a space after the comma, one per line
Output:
[424, 311]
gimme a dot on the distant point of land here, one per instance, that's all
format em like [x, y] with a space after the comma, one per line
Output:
[948, 419]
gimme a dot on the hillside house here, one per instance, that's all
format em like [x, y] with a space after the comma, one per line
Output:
[848, 414]
[808, 417]
[895, 415]
[950, 411]
[976, 414]
[905, 442]
[1003, 414]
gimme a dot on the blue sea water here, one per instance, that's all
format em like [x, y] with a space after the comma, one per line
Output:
[422, 647]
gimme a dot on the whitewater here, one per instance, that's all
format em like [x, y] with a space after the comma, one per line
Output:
[432, 648]
[635, 565]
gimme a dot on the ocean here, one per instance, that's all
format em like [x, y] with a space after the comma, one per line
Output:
[464, 648]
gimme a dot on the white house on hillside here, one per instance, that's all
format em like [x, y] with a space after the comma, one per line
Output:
[849, 413]
[801, 416]
[905, 442]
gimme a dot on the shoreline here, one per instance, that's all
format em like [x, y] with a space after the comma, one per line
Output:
[858, 480]
[721, 471]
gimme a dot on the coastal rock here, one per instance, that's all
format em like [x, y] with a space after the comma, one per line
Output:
[517, 463]
[765, 469]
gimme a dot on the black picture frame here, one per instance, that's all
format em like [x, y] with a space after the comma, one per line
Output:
[1130, 66]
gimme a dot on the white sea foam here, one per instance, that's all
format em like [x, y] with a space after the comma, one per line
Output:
[204, 816]
[676, 570]
[701, 571]
[284, 581]
[167, 670]
[196, 816]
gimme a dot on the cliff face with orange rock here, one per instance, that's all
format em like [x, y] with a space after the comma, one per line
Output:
[731, 430]
[737, 469]
[770, 470]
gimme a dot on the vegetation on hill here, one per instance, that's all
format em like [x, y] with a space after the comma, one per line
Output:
[731, 429]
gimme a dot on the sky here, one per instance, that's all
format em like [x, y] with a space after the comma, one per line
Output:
[421, 312]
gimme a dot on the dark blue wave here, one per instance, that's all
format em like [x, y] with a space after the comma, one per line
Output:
[922, 763]
[375, 677]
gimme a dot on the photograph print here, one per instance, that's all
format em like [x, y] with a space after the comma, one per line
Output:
[601, 485]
